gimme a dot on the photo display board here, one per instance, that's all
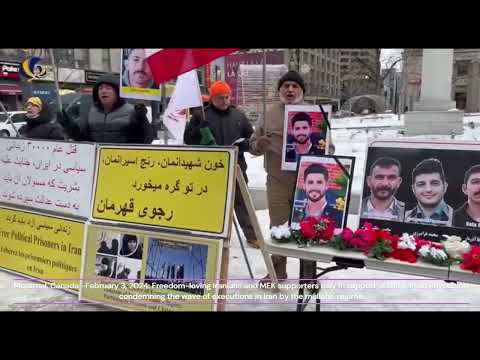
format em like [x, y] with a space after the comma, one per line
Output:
[431, 188]
[141, 270]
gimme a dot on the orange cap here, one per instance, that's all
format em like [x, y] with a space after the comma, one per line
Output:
[219, 88]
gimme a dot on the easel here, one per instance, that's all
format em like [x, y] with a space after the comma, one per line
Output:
[255, 224]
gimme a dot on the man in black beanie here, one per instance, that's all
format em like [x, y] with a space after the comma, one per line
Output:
[292, 76]
[268, 139]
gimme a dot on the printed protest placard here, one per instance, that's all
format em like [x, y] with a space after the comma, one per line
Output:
[44, 247]
[136, 77]
[323, 188]
[56, 176]
[150, 271]
[305, 132]
[430, 188]
[180, 188]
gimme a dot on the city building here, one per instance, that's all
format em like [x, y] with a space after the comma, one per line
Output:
[465, 78]
[320, 69]
[78, 69]
[360, 72]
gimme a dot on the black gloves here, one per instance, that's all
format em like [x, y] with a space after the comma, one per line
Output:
[63, 118]
[140, 110]
[243, 146]
[139, 113]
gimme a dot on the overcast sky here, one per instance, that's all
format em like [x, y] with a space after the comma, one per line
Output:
[386, 53]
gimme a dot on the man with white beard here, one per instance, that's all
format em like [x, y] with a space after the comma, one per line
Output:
[268, 139]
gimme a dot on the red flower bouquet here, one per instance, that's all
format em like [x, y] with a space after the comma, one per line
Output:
[307, 227]
[404, 255]
[314, 230]
[471, 260]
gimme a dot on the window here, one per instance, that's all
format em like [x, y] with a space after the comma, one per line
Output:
[462, 68]
[17, 118]
[106, 59]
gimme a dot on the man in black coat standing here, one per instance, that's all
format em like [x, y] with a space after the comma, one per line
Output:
[224, 125]
[111, 119]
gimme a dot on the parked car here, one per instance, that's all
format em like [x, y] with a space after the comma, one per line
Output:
[18, 120]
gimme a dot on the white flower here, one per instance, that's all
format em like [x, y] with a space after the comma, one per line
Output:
[452, 238]
[438, 253]
[407, 242]
[424, 250]
[455, 248]
[295, 226]
[280, 232]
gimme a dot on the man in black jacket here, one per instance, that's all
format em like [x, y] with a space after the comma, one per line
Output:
[111, 119]
[224, 125]
[39, 125]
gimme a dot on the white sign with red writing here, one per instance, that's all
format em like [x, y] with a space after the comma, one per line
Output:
[56, 176]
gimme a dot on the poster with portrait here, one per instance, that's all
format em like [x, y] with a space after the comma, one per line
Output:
[140, 270]
[136, 77]
[305, 133]
[323, 188]
[431, 188]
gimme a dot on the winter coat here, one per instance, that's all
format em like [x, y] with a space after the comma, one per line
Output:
[280, 183]
[226, 127]
[42, 128]
[121, 125]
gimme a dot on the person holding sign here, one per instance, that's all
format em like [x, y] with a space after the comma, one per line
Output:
[111, 119]
[38, 124]
[429, 187]
[137, 72]
[468, 215]
[268, 140]
[224, 125]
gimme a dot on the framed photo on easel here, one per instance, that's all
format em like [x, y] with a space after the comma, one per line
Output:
[323, 188]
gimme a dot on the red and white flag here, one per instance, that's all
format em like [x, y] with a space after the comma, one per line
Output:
[167, 64]
[186, 95]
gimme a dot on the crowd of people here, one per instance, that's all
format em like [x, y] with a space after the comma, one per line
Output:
[112, 120]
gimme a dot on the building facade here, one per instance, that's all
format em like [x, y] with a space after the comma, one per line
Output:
[465, 78]
[78, 70]
[359, 71]
[320, 69]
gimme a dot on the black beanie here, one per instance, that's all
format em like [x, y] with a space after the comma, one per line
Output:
[291, 76]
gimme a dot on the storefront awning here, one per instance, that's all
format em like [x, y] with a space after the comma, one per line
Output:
[10, 89]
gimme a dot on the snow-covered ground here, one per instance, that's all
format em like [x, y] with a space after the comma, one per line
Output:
[346, 290]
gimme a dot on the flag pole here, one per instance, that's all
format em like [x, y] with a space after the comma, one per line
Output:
[9, 119]
[55, 73]
[164, 105]
[264, 76]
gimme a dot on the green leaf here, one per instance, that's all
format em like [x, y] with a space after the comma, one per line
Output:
[380, 248]
[338, 243]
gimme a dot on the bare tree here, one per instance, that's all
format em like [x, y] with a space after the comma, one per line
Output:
[373, 71]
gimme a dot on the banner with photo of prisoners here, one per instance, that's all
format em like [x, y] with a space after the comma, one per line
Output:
[431, 188]
[139, 270]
